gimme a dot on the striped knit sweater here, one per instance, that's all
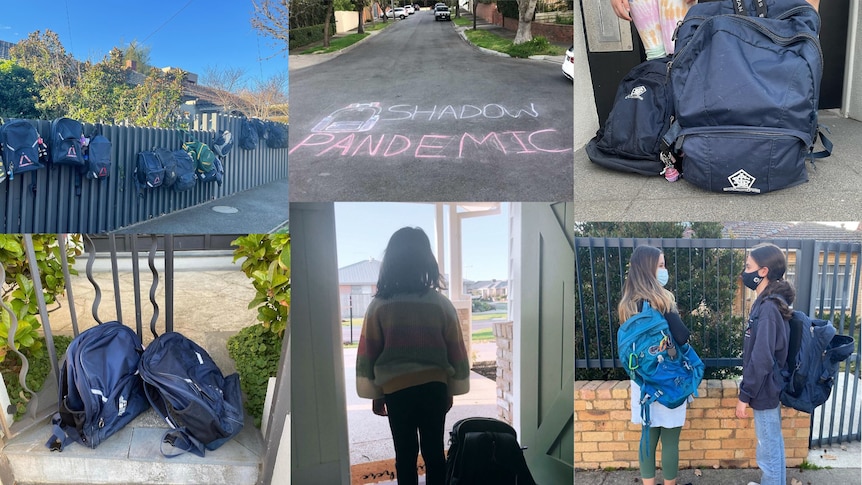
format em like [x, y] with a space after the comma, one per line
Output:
[408, 340]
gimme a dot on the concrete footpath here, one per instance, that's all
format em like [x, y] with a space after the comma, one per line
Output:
[260, 210]
[841, 466]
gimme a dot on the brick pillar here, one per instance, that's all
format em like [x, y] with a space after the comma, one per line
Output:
[465, 316]
[505, 399]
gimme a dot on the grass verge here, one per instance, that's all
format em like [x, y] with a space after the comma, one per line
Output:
[463, 21]
[336, 44]
[536, 47]
[484, 335]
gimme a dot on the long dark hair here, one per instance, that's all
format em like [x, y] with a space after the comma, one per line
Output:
[408, 265]
[642, 284]
[770, 256]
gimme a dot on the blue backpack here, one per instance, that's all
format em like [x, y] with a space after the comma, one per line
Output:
[813, 356]
[66, 148]
[187, 389]
[185, 171]
[21, 147]
[98, 157]
[746, 85]
[644, 341]
[100, 389]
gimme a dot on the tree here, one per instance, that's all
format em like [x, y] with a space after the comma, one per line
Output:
[53, 69]
[19, 92]
[526, 10]
[272, 19]
[265, 95]
[155, 102]
[139, 53]
[102, 93]
[226, 84]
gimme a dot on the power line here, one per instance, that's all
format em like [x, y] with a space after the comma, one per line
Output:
[167, 21]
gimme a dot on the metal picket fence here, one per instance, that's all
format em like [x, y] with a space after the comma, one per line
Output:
[47, 200]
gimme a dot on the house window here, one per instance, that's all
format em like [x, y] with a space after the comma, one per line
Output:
[834, 276]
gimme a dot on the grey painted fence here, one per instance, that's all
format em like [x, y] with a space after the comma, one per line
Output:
[105, 205]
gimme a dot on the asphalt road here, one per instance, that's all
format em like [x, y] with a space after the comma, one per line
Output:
[414, 113]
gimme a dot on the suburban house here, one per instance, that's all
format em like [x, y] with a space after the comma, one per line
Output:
[488, 289]
[357, 284]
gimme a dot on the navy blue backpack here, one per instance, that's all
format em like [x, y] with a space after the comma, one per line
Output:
[666, 372]
[66, 148]
[100, 388]
[185, 171]
[746, 85]
[98, 157]
[187, 389]
[20, 145]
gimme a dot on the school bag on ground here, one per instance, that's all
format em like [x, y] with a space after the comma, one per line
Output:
[187, 389]
[631, 138]
[65, 144]
[248, 138]
[485, 451]
[666, 372]
[100, 388]
[149, 171]
[185, 170]
[746, 85]
[814, 355]
[98, 156]
[20, 147]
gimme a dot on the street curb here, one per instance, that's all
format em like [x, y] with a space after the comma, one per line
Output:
[544, 58]
[329, 55]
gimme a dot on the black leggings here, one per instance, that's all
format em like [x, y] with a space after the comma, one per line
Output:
[419, 408]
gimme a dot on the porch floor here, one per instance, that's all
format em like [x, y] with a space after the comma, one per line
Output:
[133, 456]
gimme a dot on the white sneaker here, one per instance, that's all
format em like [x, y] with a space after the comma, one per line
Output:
[753, 483]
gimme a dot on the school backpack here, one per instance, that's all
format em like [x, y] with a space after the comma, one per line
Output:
[813, 356]
[66, 146]
[277, 135]
[187, 389]
[746, 85]
[169, 163]
[248, 138]
[100, 389]
[631, 138]
[223, 144]
[202, 155]
[20, 145]
[97, 156]
[185, 170]
[149, 171]
[646, 349]
[485, 451]
[214, 175]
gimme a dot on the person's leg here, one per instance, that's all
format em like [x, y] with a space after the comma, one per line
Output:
[431, 431]
[670, 13]
[647, 19]
[670, 454]
[401, 407]
[647, 464]
[770, 446]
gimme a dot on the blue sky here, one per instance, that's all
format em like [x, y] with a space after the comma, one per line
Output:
[205, 33]
[363, 229]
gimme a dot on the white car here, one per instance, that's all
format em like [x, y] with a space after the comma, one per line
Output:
[569, 64]
[410, 10]
[397, 12]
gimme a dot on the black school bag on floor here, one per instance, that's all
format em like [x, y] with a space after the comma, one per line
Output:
[187, 389]
[631, 138]
[100, 389]
[485, 451]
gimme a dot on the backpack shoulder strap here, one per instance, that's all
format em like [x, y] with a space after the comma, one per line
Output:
[181, 439]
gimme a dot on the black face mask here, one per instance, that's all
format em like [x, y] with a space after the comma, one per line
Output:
[751, 280]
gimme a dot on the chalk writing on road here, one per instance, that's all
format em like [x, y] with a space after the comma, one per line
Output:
[435, 145]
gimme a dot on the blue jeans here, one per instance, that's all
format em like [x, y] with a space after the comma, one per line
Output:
[770, 446]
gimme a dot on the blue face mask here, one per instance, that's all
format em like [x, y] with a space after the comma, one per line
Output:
[662, 276]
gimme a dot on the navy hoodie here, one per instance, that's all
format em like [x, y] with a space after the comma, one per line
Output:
[764, 354]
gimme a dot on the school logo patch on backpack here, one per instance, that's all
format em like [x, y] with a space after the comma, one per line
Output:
[100, 389]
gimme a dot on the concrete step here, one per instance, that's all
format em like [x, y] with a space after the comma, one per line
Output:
[131, 457]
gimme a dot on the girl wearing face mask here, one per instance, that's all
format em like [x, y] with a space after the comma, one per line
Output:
[645, 281]
[764, 352]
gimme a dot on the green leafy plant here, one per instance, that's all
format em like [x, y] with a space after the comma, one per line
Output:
[256, 351]
[19, 291]
[40, 367]
[267, 263]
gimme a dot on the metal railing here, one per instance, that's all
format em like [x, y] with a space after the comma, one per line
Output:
[704, 279]
[48, 201]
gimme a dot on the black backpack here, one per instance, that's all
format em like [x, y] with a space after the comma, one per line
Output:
[169, 163]
[98, 156]
[248, 139]
[187, 389]
[277, 135]
[100, 389]
[149, 171]
[65, 143]
[185, 171]
[20, 146]
[631, 139]
[813, 357]
[485, 451]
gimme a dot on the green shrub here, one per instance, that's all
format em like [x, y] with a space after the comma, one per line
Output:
[481, 306]
[532, 47]
[40, 367]
[267, 263]
[564, 19]
[256, 351]
[303, 36]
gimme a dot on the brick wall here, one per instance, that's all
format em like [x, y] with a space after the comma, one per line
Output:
[552, 32]
[503, 335]
[712, 436]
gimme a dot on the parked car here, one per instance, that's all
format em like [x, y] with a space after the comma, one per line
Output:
[409, 9]
[441, 12]
[397, 12]
[569, 63]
